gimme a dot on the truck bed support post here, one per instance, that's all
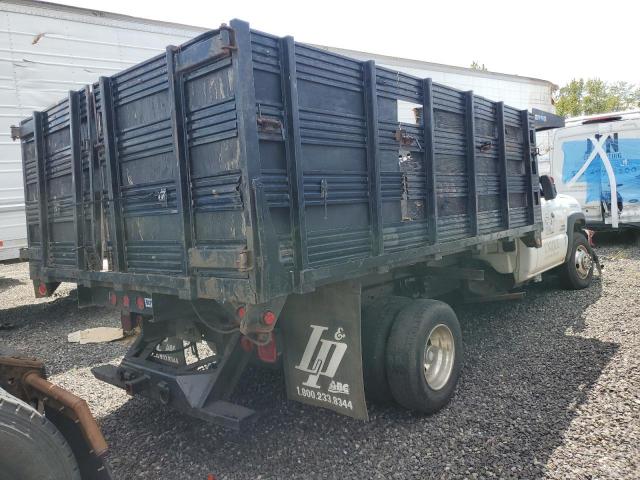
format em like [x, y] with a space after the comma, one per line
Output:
[472, 190]
[373, 158]
[529, 165]
[249, 148]
[76, 177]
[38, 139]
[429, 160]
[294, 159]
[177, 115]
[115, 224]
[95, 187]
[504, 171]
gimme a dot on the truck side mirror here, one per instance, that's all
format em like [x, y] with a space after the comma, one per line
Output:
[549, 191]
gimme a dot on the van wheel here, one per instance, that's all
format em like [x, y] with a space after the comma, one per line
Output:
[424, 355]
[377, 319]
[31, 447]
[577, 271]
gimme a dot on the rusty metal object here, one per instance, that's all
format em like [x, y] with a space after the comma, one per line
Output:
[13, 368]
[25, 378]
[74, 407]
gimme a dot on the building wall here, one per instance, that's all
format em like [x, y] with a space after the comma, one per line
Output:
[45, 51]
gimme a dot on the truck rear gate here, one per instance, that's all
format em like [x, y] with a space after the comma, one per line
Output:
[242, 168]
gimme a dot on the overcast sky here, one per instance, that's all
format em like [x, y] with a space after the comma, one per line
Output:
[555, 40]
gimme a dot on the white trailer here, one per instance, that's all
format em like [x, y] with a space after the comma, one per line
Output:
[596, 159]
[45, 51]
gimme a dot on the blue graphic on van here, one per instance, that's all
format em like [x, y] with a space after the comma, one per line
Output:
[624, 156]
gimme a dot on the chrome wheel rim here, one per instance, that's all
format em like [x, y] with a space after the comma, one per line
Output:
[583, 261]
[439, 353]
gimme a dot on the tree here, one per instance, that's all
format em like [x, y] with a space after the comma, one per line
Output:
[568, 102]
[597, 98]
[587, 97]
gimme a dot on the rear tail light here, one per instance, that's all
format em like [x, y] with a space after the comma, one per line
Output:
[42, 289]
[125, 301]
[268, 318]
[140, 303]
[268, 353]
[113, 298]
[241, 312]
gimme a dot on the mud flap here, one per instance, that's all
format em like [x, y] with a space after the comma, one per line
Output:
[322, 350]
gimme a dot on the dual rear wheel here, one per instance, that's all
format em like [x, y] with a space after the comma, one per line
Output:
[412, 352]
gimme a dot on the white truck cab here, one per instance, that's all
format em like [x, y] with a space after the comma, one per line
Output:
[563, 244]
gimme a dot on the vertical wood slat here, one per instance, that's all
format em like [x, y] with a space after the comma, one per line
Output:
[373, 157]
[113, 184]
[294, 156]
[472, 189]
[526, 146]
[502, 160]
[429, 160]
[76, 177]
[38, 139]
[179, 142]
[249, 150]
[95, 186]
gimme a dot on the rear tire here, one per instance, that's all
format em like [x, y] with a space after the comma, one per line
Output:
[31, 447]
[577, 271]
[424, 355]
[377, 319]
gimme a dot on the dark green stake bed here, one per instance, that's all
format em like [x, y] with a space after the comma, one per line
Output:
[253, 192]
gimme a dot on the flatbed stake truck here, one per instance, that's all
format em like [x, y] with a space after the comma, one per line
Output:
[243, 196]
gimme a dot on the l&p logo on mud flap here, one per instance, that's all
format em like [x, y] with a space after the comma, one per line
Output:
[326, 361]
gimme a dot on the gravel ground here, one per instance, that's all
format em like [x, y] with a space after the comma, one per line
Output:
[550, 388]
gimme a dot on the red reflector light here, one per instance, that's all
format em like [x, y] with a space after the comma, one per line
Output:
[42, 289]
[113, 298]
[268, 318]
[140, 303]
[125, 301]
[246, 344]
[241, 312]
[268, 353]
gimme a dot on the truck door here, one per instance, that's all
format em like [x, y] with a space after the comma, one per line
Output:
[554, 234]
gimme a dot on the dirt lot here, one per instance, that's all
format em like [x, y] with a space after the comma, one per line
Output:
[550, 388]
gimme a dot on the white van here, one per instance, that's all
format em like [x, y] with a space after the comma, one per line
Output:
[594, 159]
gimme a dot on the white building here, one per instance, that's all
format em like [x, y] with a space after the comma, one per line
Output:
[48, 49]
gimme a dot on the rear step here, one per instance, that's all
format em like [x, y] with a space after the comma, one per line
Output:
[199, 389]
[219, 412]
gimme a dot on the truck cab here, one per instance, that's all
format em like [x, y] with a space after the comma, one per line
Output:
[563, 243]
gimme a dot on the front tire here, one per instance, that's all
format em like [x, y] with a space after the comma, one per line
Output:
[424, 355]
[31, 447]
[577, 271]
